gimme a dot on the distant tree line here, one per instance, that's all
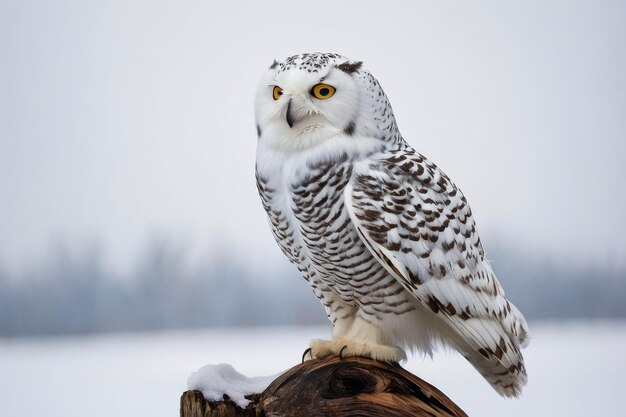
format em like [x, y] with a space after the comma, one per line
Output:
[71, 294]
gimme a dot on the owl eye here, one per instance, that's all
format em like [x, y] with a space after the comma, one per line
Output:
[277, 92]
[322, 91]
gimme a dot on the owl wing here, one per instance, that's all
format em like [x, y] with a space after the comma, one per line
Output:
[418, 225]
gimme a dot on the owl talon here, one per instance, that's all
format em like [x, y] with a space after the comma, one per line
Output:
[341, 351]
[308, 350]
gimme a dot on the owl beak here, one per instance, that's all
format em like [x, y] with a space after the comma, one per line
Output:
[289, 114]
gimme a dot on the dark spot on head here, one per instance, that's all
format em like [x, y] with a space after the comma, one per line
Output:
[258, 131]
[350, 67]
[274, 64]
[349, 129]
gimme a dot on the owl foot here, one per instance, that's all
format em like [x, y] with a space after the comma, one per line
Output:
[307, 351]
[345, 348]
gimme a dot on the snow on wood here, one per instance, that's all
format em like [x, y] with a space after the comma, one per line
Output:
[319, 387]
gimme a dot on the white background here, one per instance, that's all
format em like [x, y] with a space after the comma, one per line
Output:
[122, 120]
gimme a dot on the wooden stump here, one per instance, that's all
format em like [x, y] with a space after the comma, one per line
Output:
[334, 387]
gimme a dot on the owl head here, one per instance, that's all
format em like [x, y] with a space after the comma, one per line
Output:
[312, 98]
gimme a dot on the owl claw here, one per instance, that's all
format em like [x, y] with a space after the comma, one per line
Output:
[341, 351]
[308, 350]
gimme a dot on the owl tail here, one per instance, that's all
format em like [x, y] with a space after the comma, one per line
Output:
[506, 380]
[494, 353]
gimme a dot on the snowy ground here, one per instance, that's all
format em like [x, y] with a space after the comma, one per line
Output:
[574, 370]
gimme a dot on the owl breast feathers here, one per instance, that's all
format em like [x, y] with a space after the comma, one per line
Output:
[385, 239]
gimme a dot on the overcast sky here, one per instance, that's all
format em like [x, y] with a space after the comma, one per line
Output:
[125, 120]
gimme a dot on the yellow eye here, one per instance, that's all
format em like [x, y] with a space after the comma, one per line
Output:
[277, 92]
[322, 91]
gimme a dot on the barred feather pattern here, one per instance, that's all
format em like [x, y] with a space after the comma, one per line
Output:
[418, 224]
[315, 231]
[372, 236]
[381, 234]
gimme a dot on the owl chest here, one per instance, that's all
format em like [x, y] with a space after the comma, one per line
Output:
[318, 208]
[310, 220]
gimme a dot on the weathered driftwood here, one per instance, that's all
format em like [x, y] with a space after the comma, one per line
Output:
[334, 387]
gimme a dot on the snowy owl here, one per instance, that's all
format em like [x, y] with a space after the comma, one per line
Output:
[385, 239]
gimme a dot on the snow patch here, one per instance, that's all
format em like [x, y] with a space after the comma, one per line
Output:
[216, 380]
